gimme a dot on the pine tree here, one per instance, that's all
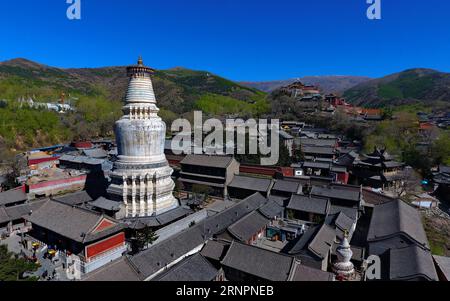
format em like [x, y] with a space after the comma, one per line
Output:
[12, 268]
[143, 238]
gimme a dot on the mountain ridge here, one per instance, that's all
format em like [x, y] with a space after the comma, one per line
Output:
[97, 95]
[177, 89]
[327, 83]
[414, 85]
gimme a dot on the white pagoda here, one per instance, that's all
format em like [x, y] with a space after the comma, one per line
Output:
[141, 176]
[343, 267]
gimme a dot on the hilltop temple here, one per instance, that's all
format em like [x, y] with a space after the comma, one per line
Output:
[141, 176]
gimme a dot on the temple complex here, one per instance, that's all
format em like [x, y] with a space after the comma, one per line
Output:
[141, 176]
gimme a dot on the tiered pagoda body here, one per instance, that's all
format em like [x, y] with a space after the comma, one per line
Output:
[141, 177]
[379, 170]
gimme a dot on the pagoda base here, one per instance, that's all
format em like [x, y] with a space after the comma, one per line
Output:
[144, 192]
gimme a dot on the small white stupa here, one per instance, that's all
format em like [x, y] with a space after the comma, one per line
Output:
[343, 267]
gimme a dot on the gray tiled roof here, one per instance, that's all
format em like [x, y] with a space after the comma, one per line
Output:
[162, 219]
[170, 216]
[160, 255]
[82, 159]
[410, 262]
[350, 212]
[375, 198]
[71, 222]
[258, 262]
[4, 218]
[443, 263]
[309, 204]
[14, 213]
[95, 153]
[248, 226]
[347, 159]
[302, 243]
[338, 169]
[336, 193]
[215, 250]
[344, 222]
[193, 268]
[305, 273]
[280, 200]
[444, 169]
[103, 203]
[251, 183]
[441, 178]
[327, 136]
[223, 220]
[318, 150]
[17, 212]
[287, 186]
[392, 218]
[140, 223]
[322, 241]
[118, 270]
[75, 198]
[319, 165]
[12, 196]
[318, 142]
[271, 210]
[393, 164]
[208, 161]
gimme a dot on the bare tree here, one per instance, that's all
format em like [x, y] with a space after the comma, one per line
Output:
[410, 182]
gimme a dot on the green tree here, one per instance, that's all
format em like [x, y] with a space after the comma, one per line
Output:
[99, 113]
[290, 214]
[441, 149]
[142, 238]
[13, 268]
[387, 113]
[413, 157]
[177, 189]
[285, 158]
[202, 191]
[297, 153]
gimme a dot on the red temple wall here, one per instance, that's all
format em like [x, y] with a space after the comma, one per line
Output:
[105, 245]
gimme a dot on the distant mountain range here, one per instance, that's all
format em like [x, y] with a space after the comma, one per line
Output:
[177, 89]
[97, 95]
[425, 86]
[327, 84]
[181, 90]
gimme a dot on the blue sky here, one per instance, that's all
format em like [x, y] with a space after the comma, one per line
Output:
[238, 39]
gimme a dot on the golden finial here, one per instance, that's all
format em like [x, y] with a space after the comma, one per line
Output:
[140, 61]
